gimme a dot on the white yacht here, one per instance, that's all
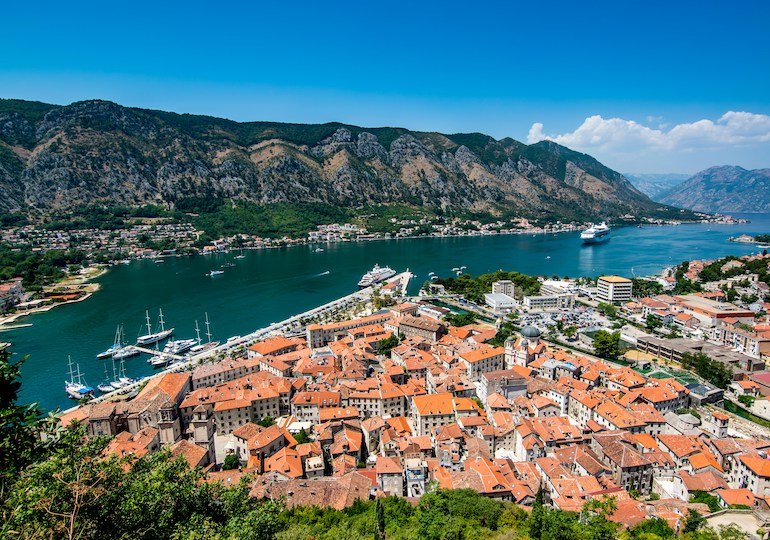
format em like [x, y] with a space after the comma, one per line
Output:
[596, 233]
[76, 387]
[375, 275]
[113, 348]
[179, 346]
[126, 352]
[154, 337]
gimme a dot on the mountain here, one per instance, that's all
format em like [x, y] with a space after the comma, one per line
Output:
[653, 185]
[58, 157]
[723, 189]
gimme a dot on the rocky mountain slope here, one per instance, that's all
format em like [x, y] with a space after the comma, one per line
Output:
[56, 157]
[653, 185]
[723, 189]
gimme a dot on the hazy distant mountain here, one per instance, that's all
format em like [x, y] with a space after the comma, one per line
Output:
[57, 157]
[653, 185]
[723, 189]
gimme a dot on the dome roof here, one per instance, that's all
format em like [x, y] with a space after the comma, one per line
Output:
[530, 332]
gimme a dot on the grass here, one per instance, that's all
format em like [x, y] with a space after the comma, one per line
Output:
[743, 413]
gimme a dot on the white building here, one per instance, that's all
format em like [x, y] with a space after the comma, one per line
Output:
[542, 303]
[504, 286]
[614, 289]
[499, 302]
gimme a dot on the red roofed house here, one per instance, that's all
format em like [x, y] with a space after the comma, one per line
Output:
[390, 475]
[430, 411]
[752, 472]
[482, 360]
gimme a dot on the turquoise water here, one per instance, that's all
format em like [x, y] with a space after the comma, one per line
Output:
[270, 285]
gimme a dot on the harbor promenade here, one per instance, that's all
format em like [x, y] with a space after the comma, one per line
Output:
[292, 324]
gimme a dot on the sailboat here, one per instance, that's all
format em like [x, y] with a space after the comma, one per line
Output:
[120, 377]
[105, 386]
[201, 347]
[154, 337]
[113, 348]
[76, 388]
[241, 256]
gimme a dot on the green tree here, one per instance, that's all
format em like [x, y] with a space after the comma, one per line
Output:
[609, 310]
[645, 287]
[570, 331]
[266, 422]
[693, 521]
[386, 345]
[302, 437]
[731, 532]
[598, 525]
[652, 322]
[380, 516]
[652, 529]
[607, 344]
[20, 426]
[714, 371]
[537, 516]
[706, 498]
[460, 319]
[231, 462]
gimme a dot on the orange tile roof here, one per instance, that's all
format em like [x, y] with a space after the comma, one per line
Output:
[758, 465]
[286, 461]
[434, 404]
[737, 496]
[704, 459]
[707, 481]
[482, 353]
[681, 445]
[192, 453]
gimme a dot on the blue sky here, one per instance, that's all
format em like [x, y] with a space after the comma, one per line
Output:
[644, 87]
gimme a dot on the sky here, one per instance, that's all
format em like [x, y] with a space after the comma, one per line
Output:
[645, 87]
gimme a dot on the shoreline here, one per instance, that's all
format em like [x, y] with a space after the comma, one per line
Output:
[236, 342]
[6, 323]
[88, 288]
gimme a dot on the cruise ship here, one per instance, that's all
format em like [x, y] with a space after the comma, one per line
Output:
[375, 275]
[596, 233]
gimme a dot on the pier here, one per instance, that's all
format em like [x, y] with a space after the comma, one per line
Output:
[188, 363]
[154, 352]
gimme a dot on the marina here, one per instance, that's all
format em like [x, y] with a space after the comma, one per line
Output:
[276, 284]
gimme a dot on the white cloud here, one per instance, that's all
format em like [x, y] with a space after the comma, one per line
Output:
[617, 140]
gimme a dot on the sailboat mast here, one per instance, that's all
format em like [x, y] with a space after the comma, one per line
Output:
[69, 364]
[197, 332]
[149, 326]
[208, 327]
[160, 318]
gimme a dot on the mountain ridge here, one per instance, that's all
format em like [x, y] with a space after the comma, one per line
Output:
[55, 157]
[653, 184]
[723, 188]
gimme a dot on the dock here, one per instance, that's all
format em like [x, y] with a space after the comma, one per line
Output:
[186, 363]
[154, 352]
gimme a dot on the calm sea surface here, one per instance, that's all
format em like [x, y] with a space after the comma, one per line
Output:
[271, 285]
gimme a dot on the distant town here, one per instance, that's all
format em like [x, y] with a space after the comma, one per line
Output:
[91, 249]
[652, 391]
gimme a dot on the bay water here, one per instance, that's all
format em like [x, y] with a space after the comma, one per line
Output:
[272, 284]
